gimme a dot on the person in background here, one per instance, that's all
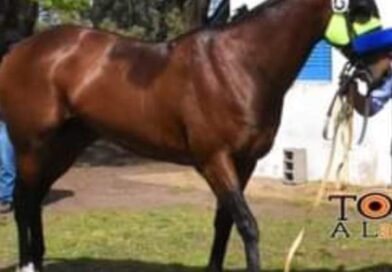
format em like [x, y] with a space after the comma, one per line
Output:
[222, 11]
[7, 170]
[378, 98]
[376, 101]
[371, 45]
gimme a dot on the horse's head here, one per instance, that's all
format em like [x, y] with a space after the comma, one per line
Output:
[349, 20]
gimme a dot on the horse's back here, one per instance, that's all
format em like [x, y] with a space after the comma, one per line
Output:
[116, 83]
[145, 95]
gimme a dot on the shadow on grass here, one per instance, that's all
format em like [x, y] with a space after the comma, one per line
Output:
[57, 195]
[53, 197]
[104, 153]
[99, 265]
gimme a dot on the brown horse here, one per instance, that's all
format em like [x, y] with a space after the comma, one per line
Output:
[211, 99]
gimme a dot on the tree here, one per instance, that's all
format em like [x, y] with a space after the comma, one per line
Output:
[150, 19]
[156, 19]
[69, 5]
[17, 20]
[196, 12]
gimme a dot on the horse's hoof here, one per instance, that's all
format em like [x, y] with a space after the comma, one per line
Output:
[214, 269]
[27, 268]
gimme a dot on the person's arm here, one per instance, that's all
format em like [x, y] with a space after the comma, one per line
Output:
[377, 100]
[380, 97]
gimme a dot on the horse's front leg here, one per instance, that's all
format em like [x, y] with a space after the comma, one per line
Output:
[223, 224]
[223, 220]
[224, 180]
[38, 169]
[28, 217]
[28, 214]
[22, 224]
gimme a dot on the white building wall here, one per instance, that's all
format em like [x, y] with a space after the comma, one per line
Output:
[303, 120]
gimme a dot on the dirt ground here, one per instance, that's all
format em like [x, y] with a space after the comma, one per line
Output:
[106, 176]
[149, 185]
[146, 184]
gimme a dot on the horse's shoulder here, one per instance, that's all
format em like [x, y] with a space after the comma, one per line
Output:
[145, 60]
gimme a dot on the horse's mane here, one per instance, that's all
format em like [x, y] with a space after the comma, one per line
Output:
[262, 7]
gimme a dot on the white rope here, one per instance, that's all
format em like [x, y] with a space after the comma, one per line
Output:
[347, 121]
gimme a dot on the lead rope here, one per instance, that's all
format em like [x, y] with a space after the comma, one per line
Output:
[366, 74]
[297, 242]
[345, 119]
[344, 116]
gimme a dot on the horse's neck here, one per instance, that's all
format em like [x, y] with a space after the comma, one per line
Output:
[275, 42]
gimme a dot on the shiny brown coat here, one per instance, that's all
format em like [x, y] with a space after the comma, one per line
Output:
[211, 99]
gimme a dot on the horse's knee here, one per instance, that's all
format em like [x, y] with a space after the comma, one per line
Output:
[223, 218]
[28, 170]
[21, 202]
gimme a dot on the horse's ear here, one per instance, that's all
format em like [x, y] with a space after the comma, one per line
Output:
[364, 8]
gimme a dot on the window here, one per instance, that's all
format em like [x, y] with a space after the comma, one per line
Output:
[319, 64]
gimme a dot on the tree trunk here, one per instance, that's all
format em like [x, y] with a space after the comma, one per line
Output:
[196, 13]
[17, 21]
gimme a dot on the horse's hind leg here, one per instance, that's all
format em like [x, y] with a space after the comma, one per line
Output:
[39, 168]
[224, 221]
[223, 178]
[22, 217]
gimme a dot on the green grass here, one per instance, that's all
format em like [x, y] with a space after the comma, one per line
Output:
[178, 239]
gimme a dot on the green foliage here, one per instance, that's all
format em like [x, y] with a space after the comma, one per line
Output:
[154, 19]
[150, 19]
[68, 5]
[175, 23]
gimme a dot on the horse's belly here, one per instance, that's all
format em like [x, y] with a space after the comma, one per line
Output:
[146, 138]
[135, 121]
[263, 142]
[155, 151]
